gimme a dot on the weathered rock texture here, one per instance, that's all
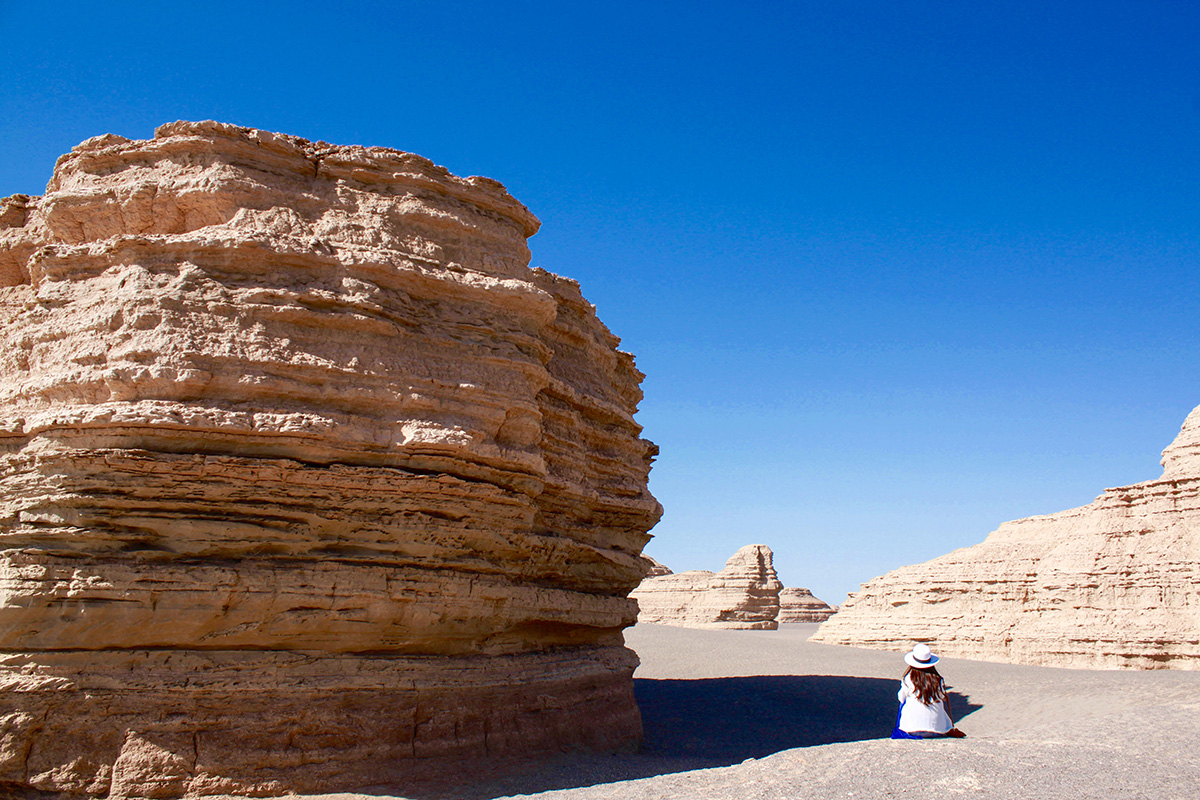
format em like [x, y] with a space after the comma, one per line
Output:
[799, 605]
[309, 482]
[1112, 584]
[655, 568]
[743, 595]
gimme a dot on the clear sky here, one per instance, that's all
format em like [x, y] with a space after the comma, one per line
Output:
[896, 272]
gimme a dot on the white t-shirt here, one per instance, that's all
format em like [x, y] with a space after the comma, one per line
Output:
[916, 716]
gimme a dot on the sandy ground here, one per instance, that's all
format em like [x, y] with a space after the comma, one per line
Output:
[765, 714]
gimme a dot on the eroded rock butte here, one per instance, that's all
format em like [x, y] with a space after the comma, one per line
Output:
[799, 605]
[1108, 585]
[309, 481]
[745, 594]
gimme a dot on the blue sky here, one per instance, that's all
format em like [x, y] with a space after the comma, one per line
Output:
[896, 272]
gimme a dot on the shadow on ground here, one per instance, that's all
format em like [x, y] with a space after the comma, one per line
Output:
[718, 722]
[727, 720]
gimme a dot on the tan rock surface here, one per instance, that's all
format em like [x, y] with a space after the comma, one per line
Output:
[743, 595]
[799, 605]
[656, 568]
[309, 481]
[1112, 584]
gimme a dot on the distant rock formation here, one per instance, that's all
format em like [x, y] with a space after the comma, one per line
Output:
[655, 568]
[308, 481]
[799, 605]
[743, 595]
[1112, 584]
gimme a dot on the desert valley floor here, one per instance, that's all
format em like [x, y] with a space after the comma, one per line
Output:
[766, 714]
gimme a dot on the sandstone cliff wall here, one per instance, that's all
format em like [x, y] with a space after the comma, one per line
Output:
[1112, 584]
[308, 481]
[745, 594]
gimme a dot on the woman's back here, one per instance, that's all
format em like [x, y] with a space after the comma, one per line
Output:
[922, 695]
[918, 715]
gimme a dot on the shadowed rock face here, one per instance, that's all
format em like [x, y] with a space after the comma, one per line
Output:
[309, 481]
[799, 605]
[743, 595]
[1108, 585]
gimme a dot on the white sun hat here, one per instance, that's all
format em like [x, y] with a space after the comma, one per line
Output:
[921, 657]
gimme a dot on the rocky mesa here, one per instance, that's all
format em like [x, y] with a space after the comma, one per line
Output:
[1112, 584]
[745, 594]
[799, 605]
[309, 481]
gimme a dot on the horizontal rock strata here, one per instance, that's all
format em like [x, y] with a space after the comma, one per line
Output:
[1113, 584]
[745, 594]
[799, 605]
[309, 481]
[655, 568]
[263, 723]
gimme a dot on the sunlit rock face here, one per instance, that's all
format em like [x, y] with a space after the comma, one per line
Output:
[1113, 584]
[799, 605]
[309, 481]
[745, 594]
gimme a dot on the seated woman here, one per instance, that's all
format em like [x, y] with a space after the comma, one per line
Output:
[924, 711]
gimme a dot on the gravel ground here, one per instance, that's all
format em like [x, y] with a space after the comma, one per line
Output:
[766, 714]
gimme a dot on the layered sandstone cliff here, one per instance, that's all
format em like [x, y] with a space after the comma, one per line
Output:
[309, 481]
[745, 594]
[799, 605]
[1112, 584]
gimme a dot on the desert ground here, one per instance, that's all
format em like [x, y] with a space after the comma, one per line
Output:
[766, 714]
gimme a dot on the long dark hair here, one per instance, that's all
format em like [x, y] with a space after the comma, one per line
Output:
[927, 683]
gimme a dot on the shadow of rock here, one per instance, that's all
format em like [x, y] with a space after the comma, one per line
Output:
[727, 720]
[717, 722]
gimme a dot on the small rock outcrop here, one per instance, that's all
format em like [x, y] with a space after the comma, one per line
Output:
[308, 481]
[743, 595]
[1113, 584]
[799, 605]
[654, 567]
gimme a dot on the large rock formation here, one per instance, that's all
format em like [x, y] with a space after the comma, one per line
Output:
[309, 481]
[743, 595]
[1112, 584]
[799, 605]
